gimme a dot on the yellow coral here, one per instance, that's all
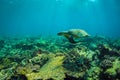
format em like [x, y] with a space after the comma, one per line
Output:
[52, 69]
[112, 71]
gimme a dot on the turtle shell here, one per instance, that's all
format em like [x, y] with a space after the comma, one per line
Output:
[77, 33]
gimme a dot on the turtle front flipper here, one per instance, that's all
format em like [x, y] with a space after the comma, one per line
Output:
[71, 40]
[65, 34]
[68, 36]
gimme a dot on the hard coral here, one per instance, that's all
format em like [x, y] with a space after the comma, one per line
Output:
[105, 64]
[2, 43]
[93, 73]
[116, 44]
[29, 68]
[23, 46]
[75, 62]
[51, 70]
[40, 59]
[106, 51]
[27, 47]
[5, 63]
[111, 73]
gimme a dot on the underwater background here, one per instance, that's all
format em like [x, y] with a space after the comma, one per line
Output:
[59, 39]
[47, 17]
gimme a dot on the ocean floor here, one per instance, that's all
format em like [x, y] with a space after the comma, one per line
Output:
[54, 58]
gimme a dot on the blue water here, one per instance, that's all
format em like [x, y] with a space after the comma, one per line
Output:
[47, 17]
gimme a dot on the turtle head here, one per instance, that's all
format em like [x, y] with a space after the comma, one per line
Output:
[65, 34]
[60, 34]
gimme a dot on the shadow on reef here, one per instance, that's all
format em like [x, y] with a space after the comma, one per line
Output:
[18, 77]
[76, 62]
[67, 77]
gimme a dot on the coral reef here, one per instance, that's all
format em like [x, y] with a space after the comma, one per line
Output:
[2, 44]
[51, 70]
[54, 58]
[74, 61]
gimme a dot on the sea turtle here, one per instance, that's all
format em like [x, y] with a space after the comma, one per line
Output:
[73, 34]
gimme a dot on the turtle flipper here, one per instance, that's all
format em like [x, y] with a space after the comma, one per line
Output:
[65, 34]
[71, 40]
[68, 36]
